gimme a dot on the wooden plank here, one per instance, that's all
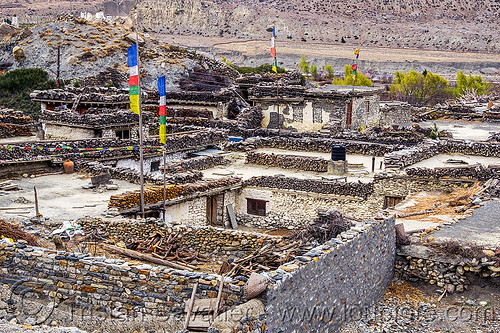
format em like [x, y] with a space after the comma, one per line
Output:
[191, 303]
[219, 297]
[201, 305]
[199, 324]
[232, 217]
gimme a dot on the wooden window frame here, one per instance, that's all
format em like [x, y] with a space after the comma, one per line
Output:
[254, 209]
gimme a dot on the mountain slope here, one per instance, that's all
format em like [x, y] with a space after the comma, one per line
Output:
[457, 25]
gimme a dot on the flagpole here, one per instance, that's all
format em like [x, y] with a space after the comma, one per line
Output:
[164, 185]
[277, 82]
[141, 139]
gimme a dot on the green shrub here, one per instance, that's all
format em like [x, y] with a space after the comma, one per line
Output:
[471, 84]
[420, 88]
[16, 86]
[304, 65]
[361, 79]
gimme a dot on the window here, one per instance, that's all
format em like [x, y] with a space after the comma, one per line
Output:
[155, 166]
[391, 201]
[256, 207]
[123, 134]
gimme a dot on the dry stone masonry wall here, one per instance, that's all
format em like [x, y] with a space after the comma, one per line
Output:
[306, 163]
[453, 273]
[361, 190]
[323, 145]
[403, 158]
[206, 239]
[97, 284]
[477, 172]
[334, 282]
[478, 148]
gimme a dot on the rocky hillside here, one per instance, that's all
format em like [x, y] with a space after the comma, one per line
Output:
[458, 25]
[99, 50]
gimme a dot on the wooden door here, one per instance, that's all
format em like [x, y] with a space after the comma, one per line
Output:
[348, 121]
[212, 210]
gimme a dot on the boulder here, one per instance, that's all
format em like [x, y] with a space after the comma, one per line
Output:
[18, 54]
[229, 321]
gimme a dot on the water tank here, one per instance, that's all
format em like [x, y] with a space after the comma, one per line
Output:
[338, 153]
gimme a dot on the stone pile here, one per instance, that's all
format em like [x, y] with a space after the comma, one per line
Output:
[154, 195]
[418, 263]
[250, 118]
[362, 190]
[309, 144]
[201, 79]
[478, 148]
[405, 157]
[307, 163]
[494, 137]
[478, 172]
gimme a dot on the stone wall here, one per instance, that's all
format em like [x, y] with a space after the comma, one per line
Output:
[286, 209]
[96, 284]
[307, 163]
[408, 156]
[323, 145]
[361, 190]
[477, 172]
[334, 282]
[104, 148]
[208, 240]
[479, 148]
[451, 272]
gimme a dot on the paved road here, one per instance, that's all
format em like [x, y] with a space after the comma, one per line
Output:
[482, 228]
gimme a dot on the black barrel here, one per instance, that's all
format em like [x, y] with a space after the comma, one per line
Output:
[338, 153]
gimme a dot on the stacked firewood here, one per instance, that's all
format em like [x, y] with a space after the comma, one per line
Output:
[155, 194]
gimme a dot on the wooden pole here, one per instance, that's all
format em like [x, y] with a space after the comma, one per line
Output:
[141, 138]
[37, 212]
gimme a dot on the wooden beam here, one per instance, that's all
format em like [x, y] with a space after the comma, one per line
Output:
[145, 257]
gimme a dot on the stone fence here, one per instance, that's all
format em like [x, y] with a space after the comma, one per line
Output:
[408, 156]
[208, 240]
[479, 148]
[335, 281]
[451, 272]
[97, 284]
[323, 145]
[477, 172]
[307, 163]
[197, 163]
[362, 190]
[101, 148]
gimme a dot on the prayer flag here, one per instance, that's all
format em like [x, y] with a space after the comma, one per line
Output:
[163, 109]
[134, 78]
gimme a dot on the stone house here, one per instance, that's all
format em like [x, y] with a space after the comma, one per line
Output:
[311, 110]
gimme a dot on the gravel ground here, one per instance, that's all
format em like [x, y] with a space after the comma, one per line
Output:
[416, 309]
[482, 228]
